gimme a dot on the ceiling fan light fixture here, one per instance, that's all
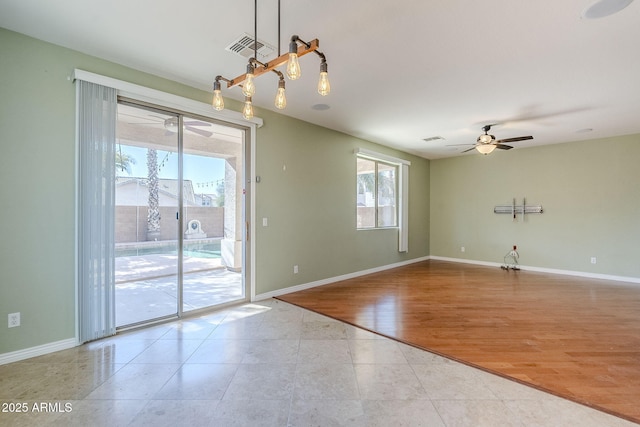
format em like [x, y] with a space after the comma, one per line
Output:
[486, 143]
[485, 148]
[171, 124]
[486, 138]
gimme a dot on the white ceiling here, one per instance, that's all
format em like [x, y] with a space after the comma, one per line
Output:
[401, 71]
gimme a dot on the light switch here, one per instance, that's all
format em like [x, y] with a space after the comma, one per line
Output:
[265, 222]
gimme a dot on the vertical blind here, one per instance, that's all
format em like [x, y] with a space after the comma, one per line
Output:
[97, 109]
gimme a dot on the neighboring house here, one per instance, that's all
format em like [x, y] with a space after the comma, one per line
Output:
[132, 191]
[132, 194]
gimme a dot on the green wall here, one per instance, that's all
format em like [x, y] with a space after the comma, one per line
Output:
[589, 192]
[307, 193]
[310, 206]
[37, 192]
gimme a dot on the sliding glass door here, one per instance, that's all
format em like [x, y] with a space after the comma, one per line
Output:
[178, 200]
[146, 230]
[212, 210]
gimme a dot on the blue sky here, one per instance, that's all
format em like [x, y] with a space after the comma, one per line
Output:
[204, 172]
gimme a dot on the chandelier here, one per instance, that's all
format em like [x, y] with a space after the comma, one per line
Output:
[255, 68]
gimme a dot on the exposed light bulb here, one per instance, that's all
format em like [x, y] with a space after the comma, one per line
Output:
[293, 67]
[281, 99]
[247, 111]
[218, 101]
[249, 87]
[323, 82]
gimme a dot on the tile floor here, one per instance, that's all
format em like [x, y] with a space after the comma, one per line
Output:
[268, 364]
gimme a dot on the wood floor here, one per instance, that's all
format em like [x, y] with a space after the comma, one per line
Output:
[574, 337]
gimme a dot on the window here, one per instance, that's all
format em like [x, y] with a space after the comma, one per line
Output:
[382, 194]
[377, 190]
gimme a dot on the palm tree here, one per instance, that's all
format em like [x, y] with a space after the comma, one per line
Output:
[124, 161]
[220, 193]
[153, 213]
[387, 185]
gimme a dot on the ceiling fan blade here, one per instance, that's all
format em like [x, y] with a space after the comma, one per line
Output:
[457, 145]
[518, 138]
[196, 123]
[470, 149]
[164, 119]
[204, 133]
[504, 147]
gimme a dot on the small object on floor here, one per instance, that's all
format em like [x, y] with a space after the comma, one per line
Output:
[511, 260]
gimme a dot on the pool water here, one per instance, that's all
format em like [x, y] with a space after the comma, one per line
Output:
[194, 250]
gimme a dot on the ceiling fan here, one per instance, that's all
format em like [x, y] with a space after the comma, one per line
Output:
[486, 143]
[171, 125]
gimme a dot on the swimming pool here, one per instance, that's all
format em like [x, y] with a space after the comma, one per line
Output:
[198, 249]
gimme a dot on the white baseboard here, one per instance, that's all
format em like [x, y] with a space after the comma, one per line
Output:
[466, 261]
[27, 353]
[545, 270]
[310, 285]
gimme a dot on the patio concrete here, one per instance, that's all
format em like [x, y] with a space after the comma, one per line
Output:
[139, 267]
[146, 286]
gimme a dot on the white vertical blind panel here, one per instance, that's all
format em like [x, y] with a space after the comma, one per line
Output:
[97, 109]
[403, 225]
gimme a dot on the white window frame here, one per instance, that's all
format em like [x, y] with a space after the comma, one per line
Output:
[377, 202]
[403, 193]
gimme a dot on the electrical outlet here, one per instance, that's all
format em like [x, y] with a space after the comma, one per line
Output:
[295, 269]
[593, 260]
[462, 249]
[14, 320]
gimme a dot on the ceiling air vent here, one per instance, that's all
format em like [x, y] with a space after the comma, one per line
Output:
[433, 138]
[244, 46]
